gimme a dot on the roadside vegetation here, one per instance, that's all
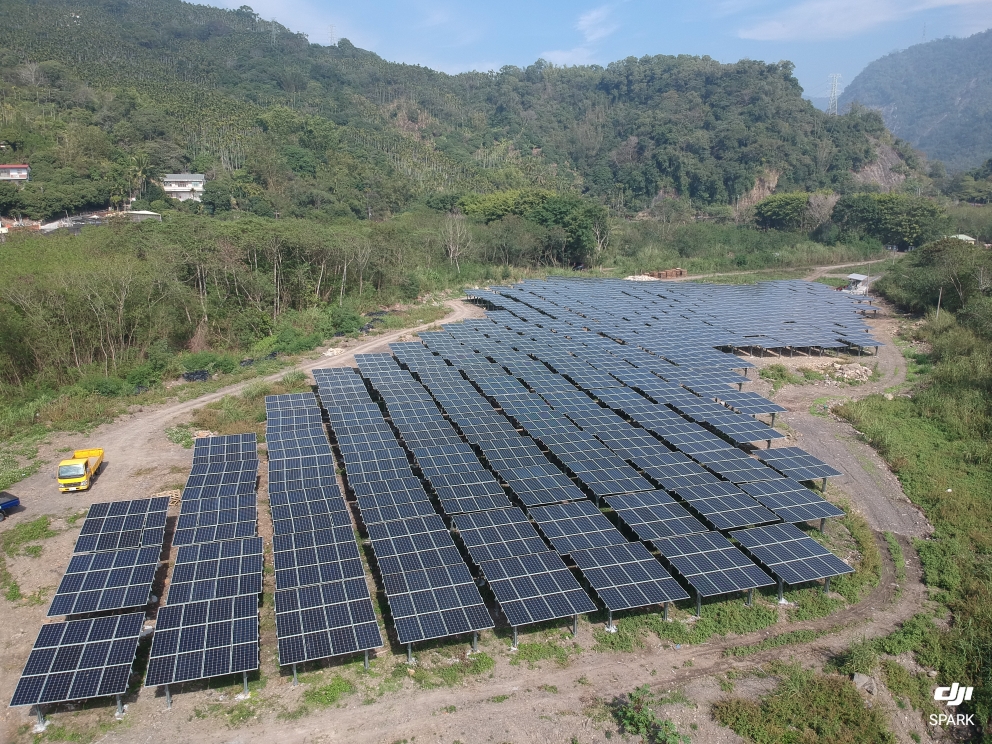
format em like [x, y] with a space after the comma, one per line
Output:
[938, 441]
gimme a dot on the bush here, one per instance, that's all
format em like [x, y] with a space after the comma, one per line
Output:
[109, 386]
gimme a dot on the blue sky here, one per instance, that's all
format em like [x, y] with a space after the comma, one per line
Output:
[819, 36]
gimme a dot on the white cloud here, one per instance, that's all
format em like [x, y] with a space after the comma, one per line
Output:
[837, 19]
[597, 23]
[580, 55]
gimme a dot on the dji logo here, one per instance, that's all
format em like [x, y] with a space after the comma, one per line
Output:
[953, 696]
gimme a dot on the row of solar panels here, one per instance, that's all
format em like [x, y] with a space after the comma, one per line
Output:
[322, 601]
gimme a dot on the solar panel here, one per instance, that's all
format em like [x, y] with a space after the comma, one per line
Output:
[115, 525]
[576, 525]
[204, 639]
[501, 533]
[216, 569]
[796, 463]
[229, 448]
[791, 501]
[320, 621]
[307, 558]
[711, 564]
[626, 576]
[725, 506]
[790, 554]
[80, 659]
[216, 518]
[111, 580]
[535, 587]
[654, 514]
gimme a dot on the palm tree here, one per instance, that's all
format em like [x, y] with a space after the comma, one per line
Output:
[141, 172]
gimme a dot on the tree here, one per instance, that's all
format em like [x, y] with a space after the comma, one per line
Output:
[455, 237]
[782, 211]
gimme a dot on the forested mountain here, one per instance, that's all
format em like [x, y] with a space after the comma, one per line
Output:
[101, 96]
[937, 96]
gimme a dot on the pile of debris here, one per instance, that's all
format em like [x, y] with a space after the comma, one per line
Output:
[851, 372]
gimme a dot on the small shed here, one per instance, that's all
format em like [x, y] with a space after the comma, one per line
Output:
[140, 215]
[965, 238]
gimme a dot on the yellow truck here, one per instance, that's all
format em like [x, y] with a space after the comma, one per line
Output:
[78, 472]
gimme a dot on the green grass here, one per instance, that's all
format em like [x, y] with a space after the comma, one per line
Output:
[328, 694]
[635, 714]
[868, 571]
[16, 541]
[181, 435]
[779, 375]
[811, 603]
[434, 670]
[783, 639]
[916, 688]
[898, 559]
[552, 649]
[719, 618]
[805, 708]
[245, 412]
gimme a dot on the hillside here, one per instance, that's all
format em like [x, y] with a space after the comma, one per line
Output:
[937, 96]
[103, 95]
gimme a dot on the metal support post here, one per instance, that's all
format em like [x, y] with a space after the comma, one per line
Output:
[750, 598]
[41, 717]
[773, 418]
[610, 627]
[826, 585]
[665, 612]
[575, 625]
[244, 678]
[120, 707]
[168, 697]
[475, 641]
[823, 485]
[409, 653]
[366, 660]
[699, 605]
[513, 647]
[296, 680]
[769, 445]
[823, 524]
[781, 590]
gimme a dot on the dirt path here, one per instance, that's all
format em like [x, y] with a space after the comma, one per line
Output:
[815, 274]
[141, 460]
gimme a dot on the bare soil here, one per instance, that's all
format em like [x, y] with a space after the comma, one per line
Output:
[513, 703]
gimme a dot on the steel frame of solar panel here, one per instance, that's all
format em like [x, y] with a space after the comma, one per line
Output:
[215, 570]
[199, 640]
[792, 556]
[797, 464]
[80, 659]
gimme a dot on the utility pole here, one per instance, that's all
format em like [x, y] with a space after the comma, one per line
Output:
[832, 107]
[272, 25]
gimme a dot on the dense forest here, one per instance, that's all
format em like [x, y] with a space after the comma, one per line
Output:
[102, 96]
[937, 96]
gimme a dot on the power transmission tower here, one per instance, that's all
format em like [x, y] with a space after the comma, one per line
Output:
[272, 25]
[331, 36]
[832, 106]
[924, 32]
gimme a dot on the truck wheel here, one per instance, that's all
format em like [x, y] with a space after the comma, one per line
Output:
[99, 470]
[2, 516]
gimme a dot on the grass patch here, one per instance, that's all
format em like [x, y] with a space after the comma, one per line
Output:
[811, 603]
[328, 694]
[868, 568]
[15, 541]
[437, 671]
[783, 639]
[808, 708]
[914, 688]
[557, 648]
[499, 698]
[635, 714]
[235, 414]
[181, 435]
[719, 619]
[413, 316]
[895, 550]
[779, 375]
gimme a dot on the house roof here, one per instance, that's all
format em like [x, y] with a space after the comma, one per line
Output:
[857, 277]
[965, 238]
[15, 165]
[184, 177]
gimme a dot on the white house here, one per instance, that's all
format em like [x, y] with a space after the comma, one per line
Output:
[18, 172]
[184, 186]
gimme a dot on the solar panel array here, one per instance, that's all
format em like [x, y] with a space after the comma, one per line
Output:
[647, 378]
[80, 659]
[209, 627]
[119, 525]
[522, 596]
[322, 601]
[429, 589]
